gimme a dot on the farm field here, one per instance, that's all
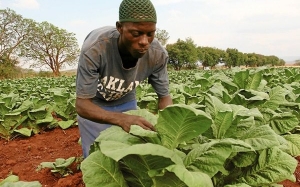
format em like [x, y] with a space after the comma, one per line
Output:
[246, 111]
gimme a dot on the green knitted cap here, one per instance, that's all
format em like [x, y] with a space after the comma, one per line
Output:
[137, 11]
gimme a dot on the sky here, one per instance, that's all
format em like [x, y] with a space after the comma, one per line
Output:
[267, 27]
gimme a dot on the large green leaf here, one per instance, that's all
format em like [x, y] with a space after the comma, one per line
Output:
[118, 150]
[39, 113]
[24, 131]
[145, 114]
[239, 110]
[66, 124]
[179, 123]
[191, 179]
[277, 97]
[60, 99]
[259, 137]
[294, 144]
[136, 168]
[220, 92]
[230, 86]
[254, 81]
[253, 95]
[214, 105]
[116, 133]
[3, 109]
[10, 178]
[26, 105]
[147, 135]
[168, 179]
[283, 123]
[221, 124]
[99, 170]
[273, 166]
[13, 181]
[244, 159]
[209, 157]
[22, 184]
[241, 79]
[238, 185]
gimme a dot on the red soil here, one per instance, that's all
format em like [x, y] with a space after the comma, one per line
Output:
[22, 156]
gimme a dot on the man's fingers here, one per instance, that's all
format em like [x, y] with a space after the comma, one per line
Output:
[137, 120]
[146, 125]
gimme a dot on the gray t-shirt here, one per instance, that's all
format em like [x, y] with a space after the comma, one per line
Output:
[101, 75]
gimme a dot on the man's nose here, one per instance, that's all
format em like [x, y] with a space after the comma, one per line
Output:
[144, 40]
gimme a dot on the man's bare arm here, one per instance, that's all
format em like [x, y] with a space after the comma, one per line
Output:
[87, 109]
[163, 102]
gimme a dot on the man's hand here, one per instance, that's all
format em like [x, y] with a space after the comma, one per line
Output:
[87, 109]
[127, 120]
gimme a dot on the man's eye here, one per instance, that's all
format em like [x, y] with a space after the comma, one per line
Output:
[135, 34]
[150, 34]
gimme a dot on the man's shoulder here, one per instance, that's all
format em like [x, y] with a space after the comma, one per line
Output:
[106, 30]
[156, 45]
[101, 34]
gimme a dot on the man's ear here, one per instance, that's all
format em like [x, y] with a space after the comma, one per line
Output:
[119, 26]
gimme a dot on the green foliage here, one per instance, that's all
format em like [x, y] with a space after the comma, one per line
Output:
[211, 56]
[43, 44]
[27, 105]
[228, 128]
[8, 69]
[13, 181]
[61, 166]
[234, 58]
[50, 46]
[44, 74]
[178, 154]
[183, 54]
[13, 29]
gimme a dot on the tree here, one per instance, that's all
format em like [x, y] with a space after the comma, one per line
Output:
[234, 58]
[8, 67]
[210, 56]
[174, 53]
[49, 46]
[281, 62]
[13, 31]
[183, 54]
[162, 36]
[272, 60]
[251, 60]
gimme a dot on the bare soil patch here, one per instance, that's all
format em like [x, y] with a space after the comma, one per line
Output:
[22, 156]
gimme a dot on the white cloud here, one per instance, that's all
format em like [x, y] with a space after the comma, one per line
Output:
[27, 4]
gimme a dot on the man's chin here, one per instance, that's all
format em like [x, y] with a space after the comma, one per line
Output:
[138, 55]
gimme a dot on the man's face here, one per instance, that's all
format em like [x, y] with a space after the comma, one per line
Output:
[135, 38]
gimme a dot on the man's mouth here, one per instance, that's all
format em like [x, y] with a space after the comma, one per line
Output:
[142, 51]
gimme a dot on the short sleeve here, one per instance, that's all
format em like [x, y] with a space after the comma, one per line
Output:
[159, 78]
[87, 75]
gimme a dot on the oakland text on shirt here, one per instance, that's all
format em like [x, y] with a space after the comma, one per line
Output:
[113, 88]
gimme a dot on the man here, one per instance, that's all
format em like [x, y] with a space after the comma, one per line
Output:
[112, 63]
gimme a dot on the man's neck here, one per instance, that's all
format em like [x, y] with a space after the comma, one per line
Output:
[128, 61]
